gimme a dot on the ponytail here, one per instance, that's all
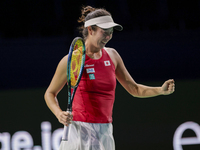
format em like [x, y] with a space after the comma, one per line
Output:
[84, 12]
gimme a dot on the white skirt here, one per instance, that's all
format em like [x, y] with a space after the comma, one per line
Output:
[89, 136]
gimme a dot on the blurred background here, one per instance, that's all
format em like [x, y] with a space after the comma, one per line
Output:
[160, 41]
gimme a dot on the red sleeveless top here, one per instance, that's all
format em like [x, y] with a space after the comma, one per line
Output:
[94, 98]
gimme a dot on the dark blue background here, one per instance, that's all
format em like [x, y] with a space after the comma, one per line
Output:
[160, 39]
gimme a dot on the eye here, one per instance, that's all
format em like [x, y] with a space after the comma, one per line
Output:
[108, 32]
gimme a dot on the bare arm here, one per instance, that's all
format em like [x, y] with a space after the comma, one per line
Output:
[135, 89]
[57, 83]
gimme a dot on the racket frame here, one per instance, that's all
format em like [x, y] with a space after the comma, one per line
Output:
[70, 87]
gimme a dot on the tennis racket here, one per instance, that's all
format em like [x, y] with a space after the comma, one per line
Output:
[75, 66]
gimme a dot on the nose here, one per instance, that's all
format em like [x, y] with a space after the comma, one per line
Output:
[108, 36]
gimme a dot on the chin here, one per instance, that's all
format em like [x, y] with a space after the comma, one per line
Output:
[102, 46]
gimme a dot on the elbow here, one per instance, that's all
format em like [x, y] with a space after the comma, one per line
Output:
[48, 95]
[45, 96]
[134, 91]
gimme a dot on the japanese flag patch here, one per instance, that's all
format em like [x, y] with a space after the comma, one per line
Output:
[107, 63]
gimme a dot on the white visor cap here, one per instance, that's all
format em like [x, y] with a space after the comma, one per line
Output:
[103, 22]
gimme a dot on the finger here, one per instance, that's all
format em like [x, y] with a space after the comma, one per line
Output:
[171, 89]
[170, 81]
[65, 113]
[67, 119]
[171, 86]
[69, 115]
[63, 118]
[65, 122]
[68, 122]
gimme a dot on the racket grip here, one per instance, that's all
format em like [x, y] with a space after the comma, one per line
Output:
[66, 132]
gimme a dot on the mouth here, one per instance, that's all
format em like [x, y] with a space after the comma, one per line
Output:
[104, 42]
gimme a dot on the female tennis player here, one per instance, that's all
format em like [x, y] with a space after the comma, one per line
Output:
[91, 119]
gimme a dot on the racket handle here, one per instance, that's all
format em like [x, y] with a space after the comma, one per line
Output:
[66, 132]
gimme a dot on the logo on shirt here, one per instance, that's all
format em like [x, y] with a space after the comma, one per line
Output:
[89, 65]
[91, 76]
[90, 70]
[107, 63]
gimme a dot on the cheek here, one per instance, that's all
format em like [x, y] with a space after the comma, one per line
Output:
[100, 38]
[110, 37]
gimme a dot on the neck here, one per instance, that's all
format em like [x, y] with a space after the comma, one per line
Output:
[92, 51]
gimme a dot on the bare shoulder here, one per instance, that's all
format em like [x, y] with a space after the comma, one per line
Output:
[110, 51]
[62, 66]
[64, 60]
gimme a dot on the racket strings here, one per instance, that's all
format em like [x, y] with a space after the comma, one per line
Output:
[76, 62]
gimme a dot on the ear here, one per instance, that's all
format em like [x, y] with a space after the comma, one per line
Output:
[89, 30]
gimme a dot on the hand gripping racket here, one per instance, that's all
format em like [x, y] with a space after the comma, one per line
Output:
[75, 66]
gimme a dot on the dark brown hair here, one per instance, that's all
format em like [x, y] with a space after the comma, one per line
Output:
[88, 13]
